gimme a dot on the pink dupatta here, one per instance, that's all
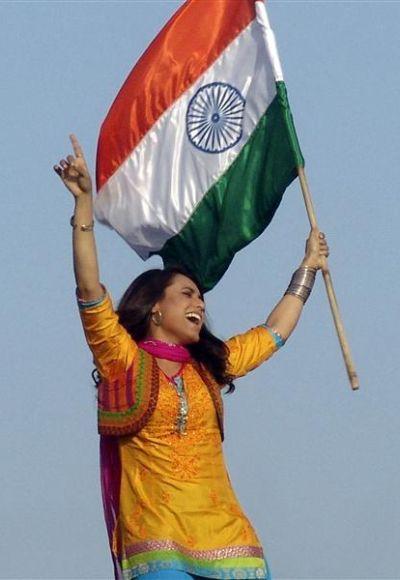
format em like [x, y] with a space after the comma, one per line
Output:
[110, 477]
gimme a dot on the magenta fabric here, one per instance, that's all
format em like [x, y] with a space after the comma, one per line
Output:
[166, 350]
[110, 475]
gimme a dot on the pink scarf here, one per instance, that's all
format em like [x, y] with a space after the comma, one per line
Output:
[166, 350]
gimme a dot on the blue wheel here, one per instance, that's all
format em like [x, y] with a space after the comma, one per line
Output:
[214, 117]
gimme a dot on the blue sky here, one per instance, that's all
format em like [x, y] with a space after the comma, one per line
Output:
[314, 464]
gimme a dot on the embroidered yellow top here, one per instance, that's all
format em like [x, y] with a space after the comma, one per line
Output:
[177, 507]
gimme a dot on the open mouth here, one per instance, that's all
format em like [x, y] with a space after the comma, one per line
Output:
[194, 318]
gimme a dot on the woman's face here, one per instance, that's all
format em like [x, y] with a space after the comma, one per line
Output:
[182, 309]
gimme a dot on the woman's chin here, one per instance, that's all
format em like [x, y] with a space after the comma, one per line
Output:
[192, 338]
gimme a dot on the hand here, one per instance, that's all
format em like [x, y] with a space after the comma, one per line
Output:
[74, 172]
[317, 250]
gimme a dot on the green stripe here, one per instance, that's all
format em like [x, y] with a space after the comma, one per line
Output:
[241, 204]
[168, 555]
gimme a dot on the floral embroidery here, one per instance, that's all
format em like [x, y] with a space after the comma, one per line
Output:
[185, 467]
[215, 438]
[186, 443]
[183, 455]
[167, 406]
[200, 403]
[135, 522]
[214, 498]
[165, 497]
[168, 464]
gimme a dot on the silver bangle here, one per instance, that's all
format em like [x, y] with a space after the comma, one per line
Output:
[302, 283]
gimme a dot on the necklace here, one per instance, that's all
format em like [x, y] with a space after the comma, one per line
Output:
[181, 421]
[178, 353]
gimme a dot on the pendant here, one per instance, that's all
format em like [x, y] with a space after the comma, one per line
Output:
[181, 421]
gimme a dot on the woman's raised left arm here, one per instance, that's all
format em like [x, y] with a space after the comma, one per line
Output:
[248, 350]
[285, 315]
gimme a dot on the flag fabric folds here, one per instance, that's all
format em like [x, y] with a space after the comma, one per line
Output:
[199, 145]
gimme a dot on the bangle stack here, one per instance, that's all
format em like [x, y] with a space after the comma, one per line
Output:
[302, 282]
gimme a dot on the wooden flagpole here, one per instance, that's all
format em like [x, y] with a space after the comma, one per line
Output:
[351, 371]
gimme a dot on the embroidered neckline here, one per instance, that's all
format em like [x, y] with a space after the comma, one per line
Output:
[172, 377]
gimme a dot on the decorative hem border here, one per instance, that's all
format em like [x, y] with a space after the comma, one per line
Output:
[212, 554]
[228, 573]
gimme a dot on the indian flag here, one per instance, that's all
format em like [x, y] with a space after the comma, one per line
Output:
[199, 145]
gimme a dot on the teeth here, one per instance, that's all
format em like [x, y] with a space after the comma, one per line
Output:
[193, 315]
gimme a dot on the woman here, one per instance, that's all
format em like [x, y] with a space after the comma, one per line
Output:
[169, 506]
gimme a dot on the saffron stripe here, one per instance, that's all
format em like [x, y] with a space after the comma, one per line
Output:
[188, 44]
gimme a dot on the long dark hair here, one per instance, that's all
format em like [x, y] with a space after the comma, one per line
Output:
[134, 311]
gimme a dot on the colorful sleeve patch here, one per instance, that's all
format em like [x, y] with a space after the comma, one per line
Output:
[278, 338]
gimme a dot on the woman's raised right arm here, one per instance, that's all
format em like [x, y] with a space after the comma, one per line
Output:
[74, 173]
[112, 347]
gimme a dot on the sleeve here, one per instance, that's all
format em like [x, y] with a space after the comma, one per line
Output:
[112, 346]
[248, 350]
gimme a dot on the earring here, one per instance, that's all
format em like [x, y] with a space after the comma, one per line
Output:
[156, 317]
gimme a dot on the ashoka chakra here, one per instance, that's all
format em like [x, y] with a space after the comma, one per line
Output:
[214, 117]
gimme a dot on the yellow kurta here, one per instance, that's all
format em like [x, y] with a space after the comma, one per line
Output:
[177, 506]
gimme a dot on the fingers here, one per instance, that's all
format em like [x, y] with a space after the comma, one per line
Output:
[74, 169]
[58, 169]
[317, 234]
[323, 246]
[73, 166]
[75, 146]
[317, 237]
[61, 167]
[67, 169]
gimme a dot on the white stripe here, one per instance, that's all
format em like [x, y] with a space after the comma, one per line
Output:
[155, 191]
[270, 41]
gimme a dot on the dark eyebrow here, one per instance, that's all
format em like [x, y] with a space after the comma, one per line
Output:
[192, 290]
